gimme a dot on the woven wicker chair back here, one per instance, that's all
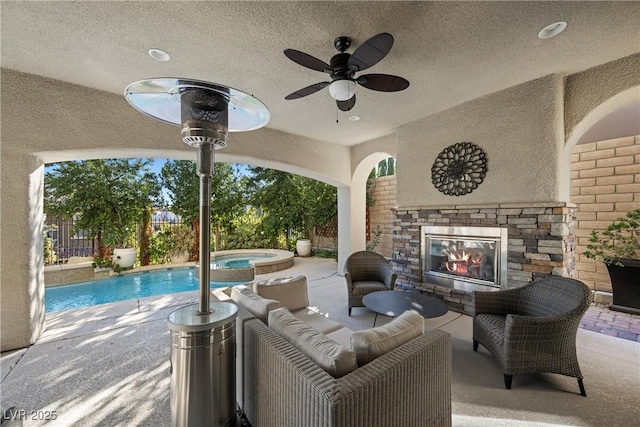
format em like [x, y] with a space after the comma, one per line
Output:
[554, 296]
[367, 265]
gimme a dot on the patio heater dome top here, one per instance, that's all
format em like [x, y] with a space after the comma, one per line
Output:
[206, 111]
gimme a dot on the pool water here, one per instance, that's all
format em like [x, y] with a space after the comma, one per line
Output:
[237, 261]
[124, 287]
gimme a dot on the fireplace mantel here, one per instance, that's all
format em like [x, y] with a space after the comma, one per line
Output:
[488, 206]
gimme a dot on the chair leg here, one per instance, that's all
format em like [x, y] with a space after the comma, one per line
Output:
[475, 345]
[507, 381]
[581, 385]
[349, 311]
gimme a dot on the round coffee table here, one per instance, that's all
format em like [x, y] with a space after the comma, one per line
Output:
[394, 303]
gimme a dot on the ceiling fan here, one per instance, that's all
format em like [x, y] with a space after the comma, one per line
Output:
[342, 69]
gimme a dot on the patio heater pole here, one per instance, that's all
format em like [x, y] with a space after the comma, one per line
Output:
[202, 335]
[205, 167]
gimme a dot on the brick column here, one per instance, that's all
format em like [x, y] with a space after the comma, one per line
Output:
[605, 185]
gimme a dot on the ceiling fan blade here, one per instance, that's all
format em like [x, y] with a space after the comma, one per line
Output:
[348, 104]
[307, 90]
[383, 82]
[371, 51]
[307, 60]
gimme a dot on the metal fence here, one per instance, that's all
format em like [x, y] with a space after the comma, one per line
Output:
[63, 240]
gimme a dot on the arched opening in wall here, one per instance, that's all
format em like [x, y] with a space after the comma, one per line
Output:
[605, 182]
[94, 206]
[381, 199]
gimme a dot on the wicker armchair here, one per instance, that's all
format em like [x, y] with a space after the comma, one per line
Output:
[533, 328]
[367, 272]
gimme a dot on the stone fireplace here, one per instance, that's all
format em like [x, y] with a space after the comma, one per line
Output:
[520, 241]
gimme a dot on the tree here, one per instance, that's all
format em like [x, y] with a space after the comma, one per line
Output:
[292, 203]
[320, 203]
[228, 199]
[180, 179]
[109, 197]
[391, 166]
[382, 168]
[276, 193]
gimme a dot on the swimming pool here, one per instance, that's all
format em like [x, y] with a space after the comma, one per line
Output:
[124, 287]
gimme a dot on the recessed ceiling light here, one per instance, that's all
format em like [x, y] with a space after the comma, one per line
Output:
[159, 55]
[552, 30]
[354, 118]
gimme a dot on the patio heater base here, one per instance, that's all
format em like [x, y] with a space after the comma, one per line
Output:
[203, 366]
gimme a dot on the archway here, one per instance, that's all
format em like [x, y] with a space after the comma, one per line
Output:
[603, 150]
[352, 208]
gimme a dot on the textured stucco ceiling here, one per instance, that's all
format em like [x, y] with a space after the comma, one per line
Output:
[451, 52]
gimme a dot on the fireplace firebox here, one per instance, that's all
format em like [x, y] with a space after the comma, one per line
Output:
[462, 257]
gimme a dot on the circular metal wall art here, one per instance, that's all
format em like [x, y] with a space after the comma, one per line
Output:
[459, 169]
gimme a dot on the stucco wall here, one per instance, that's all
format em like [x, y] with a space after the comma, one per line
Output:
[521, 131]
[596, 92]
[605, 184]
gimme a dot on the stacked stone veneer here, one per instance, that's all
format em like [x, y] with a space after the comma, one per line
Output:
[540, 242]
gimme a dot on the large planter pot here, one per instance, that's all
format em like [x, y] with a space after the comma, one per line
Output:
[179, 258]
[303, 247]
[625, 282]
[124, 257]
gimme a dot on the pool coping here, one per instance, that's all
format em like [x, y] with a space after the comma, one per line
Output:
[280, 260]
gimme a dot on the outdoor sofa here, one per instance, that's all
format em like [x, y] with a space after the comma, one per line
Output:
[296, 367]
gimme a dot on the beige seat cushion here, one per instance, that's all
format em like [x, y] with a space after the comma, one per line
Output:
[364, 287]
[334, 358]
[317, 320]
[372, 343]
[290, 291]
[253, 303]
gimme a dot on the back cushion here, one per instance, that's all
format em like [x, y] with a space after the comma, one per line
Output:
[334, 358]
[290, 291]
[372, 343]
[253, 303]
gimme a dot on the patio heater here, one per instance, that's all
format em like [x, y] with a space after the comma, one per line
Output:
[202, 335]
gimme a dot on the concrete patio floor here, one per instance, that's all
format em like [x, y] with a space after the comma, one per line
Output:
[109, 364]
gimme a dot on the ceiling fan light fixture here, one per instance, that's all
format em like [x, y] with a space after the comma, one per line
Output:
[552, 30]
[342, 90]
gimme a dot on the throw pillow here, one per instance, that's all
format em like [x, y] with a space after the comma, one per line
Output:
[372, 343]
[334, 358]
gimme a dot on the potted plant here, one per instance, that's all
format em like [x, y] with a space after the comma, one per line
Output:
[180, 240]
[618, 246]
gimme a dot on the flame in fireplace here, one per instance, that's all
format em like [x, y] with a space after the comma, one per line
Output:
[465, 263]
